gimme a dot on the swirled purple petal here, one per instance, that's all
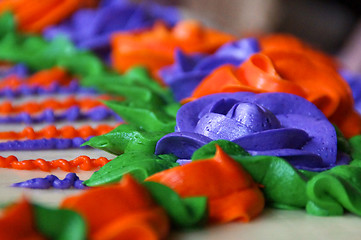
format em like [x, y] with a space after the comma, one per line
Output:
[285, 103]
[181, 145]
[323, 139]
[273, 139]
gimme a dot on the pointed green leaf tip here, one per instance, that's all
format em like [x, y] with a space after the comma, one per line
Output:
[59, 224]
[284, 186]
[183, 212]
[7, 23]
[141, 165]
[209, 150]
[126, 138]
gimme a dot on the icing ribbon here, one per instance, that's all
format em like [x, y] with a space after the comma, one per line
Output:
[82, 162]
[33, 107]
[70, 180]
[52, 131]
[71, 114]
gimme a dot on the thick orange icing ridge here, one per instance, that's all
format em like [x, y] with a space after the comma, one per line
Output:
[232, 193]
[122, 211]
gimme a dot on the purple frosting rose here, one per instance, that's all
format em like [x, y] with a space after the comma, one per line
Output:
[189, 70]
[274, 124]
[92, 28]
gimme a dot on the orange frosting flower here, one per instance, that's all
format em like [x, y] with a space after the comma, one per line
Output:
[34, 15]
[287, 65]
[232, 193]
[18, 223]
[155, 48]
[124, 211]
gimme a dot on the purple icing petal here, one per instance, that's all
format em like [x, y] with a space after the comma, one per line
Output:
[189, 70]
[274, 139]
[323, 140]
[181, 145]
[217, 126]
[285, 103]
[187, 115]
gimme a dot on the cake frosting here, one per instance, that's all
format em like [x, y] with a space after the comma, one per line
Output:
[255, 127]
[274, 124]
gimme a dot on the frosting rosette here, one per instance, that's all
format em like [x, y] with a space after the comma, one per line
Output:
[155, 48]
[285, 64]
[274, 124]
[92, 28]
[189, 70]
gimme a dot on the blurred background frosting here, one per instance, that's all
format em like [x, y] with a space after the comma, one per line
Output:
[330, 25]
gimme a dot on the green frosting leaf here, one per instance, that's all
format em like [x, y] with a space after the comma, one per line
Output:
[126, 138]
[331, 191]
[59, 224]
[355, 143]
[209, 150]
[183, 212]
[284, 186]
[141, 165]
[342, 143]
[143, 118]
[39, 54]
[7, 23]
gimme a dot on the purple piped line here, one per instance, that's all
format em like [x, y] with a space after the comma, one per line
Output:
[55, 88]
[71, 180]
[43, 144]
[72, 114]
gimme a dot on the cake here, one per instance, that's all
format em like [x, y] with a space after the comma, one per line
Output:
[244, 123]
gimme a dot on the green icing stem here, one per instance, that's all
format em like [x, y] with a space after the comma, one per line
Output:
[141, 165]
[59, 224]
[183, 212]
